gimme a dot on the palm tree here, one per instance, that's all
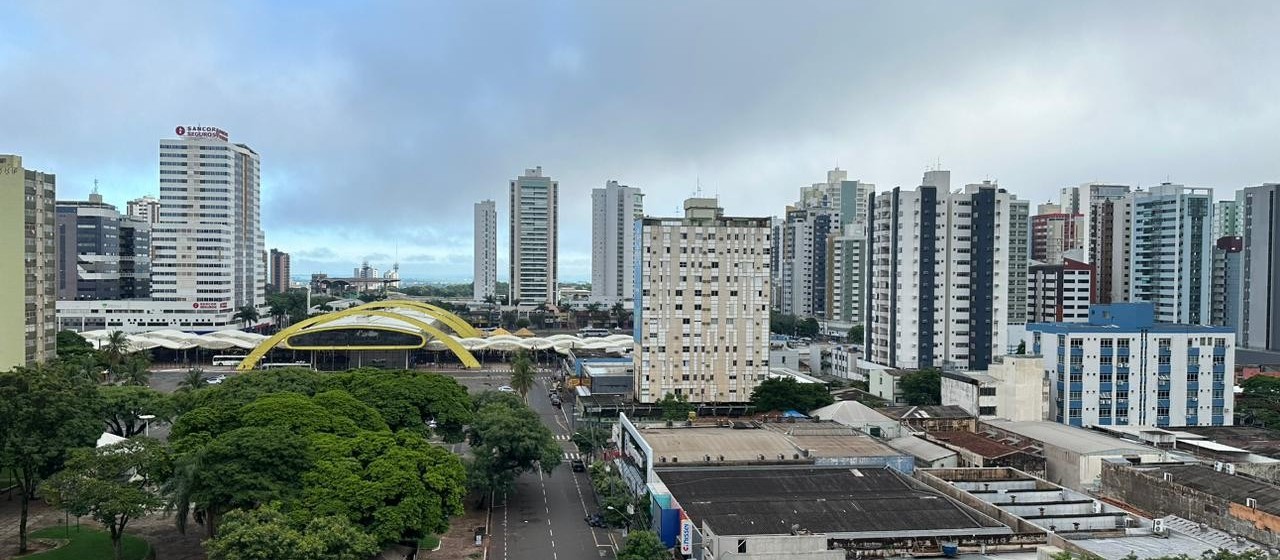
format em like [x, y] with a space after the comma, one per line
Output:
[192, 380]
[135, 370]
[278, 313]
[115, 348]
[248, 314]
[522, 374]
[592, 309]
[619, 313]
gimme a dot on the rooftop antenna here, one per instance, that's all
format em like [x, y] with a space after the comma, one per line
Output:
[95, 186]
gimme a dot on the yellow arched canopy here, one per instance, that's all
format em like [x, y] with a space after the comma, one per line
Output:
[376, 309]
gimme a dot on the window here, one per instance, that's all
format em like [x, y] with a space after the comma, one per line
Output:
[986, 411]
[986, 391]
[742, 546]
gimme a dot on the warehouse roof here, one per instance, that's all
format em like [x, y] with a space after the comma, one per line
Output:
[852, 502]
[1079, 440]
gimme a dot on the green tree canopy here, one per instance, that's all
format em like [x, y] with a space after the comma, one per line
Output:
[123, 406]
[921, 388]
[266, 533]
[643, 545]
[522, 374]
[44, 414]
[410, 399]
[786, 393]
[508, 439]
[114, 484]
[856, 334]
[675, 407]
[71, 343]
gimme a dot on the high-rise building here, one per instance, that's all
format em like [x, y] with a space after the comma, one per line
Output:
[534, 218]
[805, 271]
[1226, 219]
[1109, 245]
[1123, 368]
[1260, 259]
[101, 254]
[846, 274]
[701, 305]
[948, 274]
[146, 207]
[485, 251]
[1172, 252]
[27, 264]
[1228, 268]
[1059, 293]
[614, 211]
[208, 242]
[1054, 233]
[279, 263]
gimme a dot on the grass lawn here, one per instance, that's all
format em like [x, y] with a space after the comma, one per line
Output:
[87, 544]
[429, 542]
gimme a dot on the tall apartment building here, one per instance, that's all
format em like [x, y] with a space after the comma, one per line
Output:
[534, 210]
[1260, 287]
[614, 211]
[804, 246]
[485, 251]
[701, 305]
[27, 264]
[1105, 230]
[208, 242]
[1059, 293]
[101, 254]
[146, 207]
[1123, 368]
[1054, 233]
[1227, 280]
[846, 274]
[1226, 219]
[948, 274]
[278, 261]
[1172, 252]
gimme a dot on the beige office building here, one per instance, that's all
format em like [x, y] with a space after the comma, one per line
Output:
[702, 312]
[27, 265]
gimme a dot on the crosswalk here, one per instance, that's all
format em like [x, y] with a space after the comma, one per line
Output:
[571, 456]
[563, 437]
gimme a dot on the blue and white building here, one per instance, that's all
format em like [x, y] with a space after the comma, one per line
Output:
[1123, 368]
[1171, 254]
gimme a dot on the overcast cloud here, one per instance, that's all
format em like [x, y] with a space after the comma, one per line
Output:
[379, 125]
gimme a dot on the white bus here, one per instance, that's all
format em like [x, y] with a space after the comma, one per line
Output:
[590, 332]
[227, 360]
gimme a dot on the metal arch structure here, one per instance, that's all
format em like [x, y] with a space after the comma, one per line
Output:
[458, 324]
[468, 360]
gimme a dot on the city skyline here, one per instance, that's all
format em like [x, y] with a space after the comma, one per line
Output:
[695, 112]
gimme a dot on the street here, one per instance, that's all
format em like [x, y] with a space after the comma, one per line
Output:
[544, 516]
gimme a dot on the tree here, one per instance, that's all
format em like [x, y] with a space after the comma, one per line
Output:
[114, 348]
[923, 387]
[266, 533]
[522, 322]
[856, 334]
[788, 394]
[1022, 347]
[590, 438]
[191, 380]
[279, 311]
[507, 439]
[807, 328]
[522, 374]
[248, 314]
[134, 370]
[114, 484]
[643, 545]
[43, 415]
[675, 407]
[123, 406]
[70, 343]
[409, 399]
[620, 313]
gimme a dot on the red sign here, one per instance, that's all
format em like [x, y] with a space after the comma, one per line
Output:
[201, 132]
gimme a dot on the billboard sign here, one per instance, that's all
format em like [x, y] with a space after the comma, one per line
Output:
[686, 534]
[201, 132]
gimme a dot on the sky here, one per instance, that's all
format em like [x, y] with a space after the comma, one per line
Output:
[380, 124]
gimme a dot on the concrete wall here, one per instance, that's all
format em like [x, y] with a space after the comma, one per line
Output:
[1146, 490]
[885, 386]
[960, 393]
[770, 547]
[1269, 472]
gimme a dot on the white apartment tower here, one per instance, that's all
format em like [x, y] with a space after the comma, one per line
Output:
[614, 211]
[1171, 257]
[208, 241]
[485, 284]
[146, 208]
[947, 274]
[534, 215]
[807, 270]
[702, 305]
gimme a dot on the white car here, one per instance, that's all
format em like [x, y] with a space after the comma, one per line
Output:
[216, 380]
[506, 389]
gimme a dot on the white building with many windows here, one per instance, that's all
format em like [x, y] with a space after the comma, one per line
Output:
[947, 274]
[1059, 292]
[534, 245]
[1172, 252]
[614, 211]
[701, 305]
[1124, 368]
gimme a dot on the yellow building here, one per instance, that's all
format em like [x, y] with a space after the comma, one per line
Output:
[27, 264]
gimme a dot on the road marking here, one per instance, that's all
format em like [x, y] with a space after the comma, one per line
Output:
[571, 456]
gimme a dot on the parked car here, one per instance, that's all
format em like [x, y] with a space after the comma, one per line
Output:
[555, 401]
[216, 380]
[506, 389]
[578, 465]
[595, 520]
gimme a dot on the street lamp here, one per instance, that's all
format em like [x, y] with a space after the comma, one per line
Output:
[146, 418]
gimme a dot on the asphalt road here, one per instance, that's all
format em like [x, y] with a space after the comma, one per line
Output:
[544, 517]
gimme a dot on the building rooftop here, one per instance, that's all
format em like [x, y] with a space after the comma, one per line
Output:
[801, 440]
[1256, 440]
[849, 413]
[920, 412]
[979, 444]
[920, 448]
[1238, 489]
[829, 501]
[1079, 440]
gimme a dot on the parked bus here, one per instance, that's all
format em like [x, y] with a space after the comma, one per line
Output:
[227, 360]
[591, 332]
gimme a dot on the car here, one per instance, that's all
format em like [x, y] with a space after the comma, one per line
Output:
[555, 401]
[595, 520]
[216, 380]
[578, 465]
[506, 389]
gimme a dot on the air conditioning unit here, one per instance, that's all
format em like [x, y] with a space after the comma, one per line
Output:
[1158, 527]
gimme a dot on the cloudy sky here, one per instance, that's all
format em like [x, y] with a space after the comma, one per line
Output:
[380, 124]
